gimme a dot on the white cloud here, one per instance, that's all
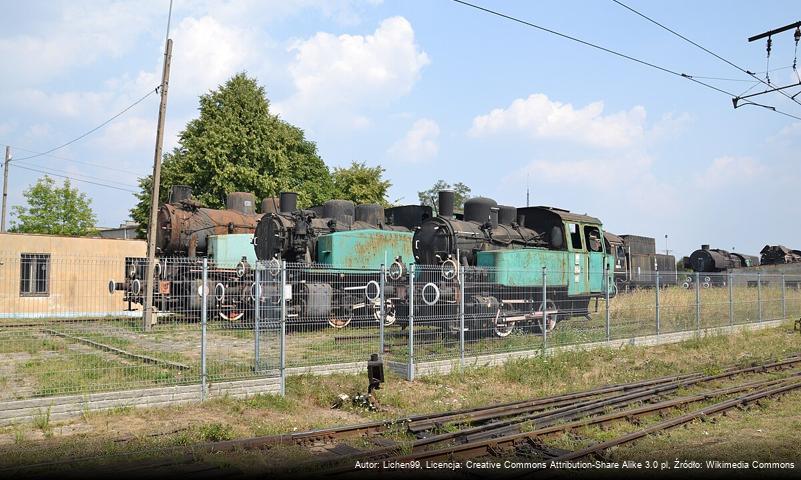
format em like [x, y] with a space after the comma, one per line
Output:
[127, 134]
[599, 173]
[419, 143]
[206, 53]
[728, 170]
[348, 73]
[77, 35]
[540, 118]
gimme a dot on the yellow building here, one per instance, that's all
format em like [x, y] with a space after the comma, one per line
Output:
[48, 276]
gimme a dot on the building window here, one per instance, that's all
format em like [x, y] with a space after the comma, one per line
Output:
[34, 275]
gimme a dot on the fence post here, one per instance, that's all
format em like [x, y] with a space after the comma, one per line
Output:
[203, 318]
[544, 310]
[784, 301]
[256, 318]
[657, 304]
[411, 323]
[606, 307]
[282, 322]
[461, 315]
[383, 314]
[759, 296]
[731, 299]
[697, 301]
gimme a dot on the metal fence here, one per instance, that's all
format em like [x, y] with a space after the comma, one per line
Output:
[75, 325]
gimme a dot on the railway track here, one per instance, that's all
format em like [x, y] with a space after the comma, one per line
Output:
[504, 429]
[498, 429]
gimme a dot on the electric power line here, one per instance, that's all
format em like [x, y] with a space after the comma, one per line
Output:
[151, 92]
[83, 175]
[71, 177]
[616, 53]
[747, 72]
[65, 159]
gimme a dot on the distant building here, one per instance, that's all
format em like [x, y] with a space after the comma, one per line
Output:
[126, 230]
[49, 276]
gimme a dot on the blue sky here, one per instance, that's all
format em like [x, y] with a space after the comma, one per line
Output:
[433, 89]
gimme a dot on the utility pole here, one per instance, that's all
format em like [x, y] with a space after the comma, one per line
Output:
[5, 187]
[154, 198]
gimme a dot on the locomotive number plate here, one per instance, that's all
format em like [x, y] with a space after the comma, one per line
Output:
[164, 287]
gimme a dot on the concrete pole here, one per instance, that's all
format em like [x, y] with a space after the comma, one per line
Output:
[658, 312]
[204, 292]
[5, 187]
[154, 197]
[410, 328]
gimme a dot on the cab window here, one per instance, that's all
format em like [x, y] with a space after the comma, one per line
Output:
[593, 236]
[575, 236]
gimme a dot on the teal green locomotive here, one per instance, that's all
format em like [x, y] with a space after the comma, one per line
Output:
[334, 254]
[511, 253]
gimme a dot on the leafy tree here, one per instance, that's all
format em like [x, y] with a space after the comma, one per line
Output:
[361, 184]
[461, 192]
[53, 209]
[236, 144]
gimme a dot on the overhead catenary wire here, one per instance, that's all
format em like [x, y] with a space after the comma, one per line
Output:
[616, 53]
[747, 72]
[86, 134]
[72, 177]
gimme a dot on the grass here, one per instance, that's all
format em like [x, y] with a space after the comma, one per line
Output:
[39, 364]
[307, 405]
[41, 421]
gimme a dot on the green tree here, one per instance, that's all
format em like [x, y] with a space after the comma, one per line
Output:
[53, 209]
[236, 144]
[361, 184]
[461, 192]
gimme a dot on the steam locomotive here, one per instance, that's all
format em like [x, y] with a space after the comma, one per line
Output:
[712, 265]
[185, 232]
[336, 251]
[510, 247]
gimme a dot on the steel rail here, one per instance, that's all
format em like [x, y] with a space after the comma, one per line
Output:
[593, 406]
[543, 427]
[487, 447]
[674, 422]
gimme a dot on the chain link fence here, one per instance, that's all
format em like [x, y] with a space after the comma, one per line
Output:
[75, 325]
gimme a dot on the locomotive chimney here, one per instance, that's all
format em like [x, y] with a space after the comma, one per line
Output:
[445, 203]
[494, 216]
[288, 202]
[180, 193]
[704, 247]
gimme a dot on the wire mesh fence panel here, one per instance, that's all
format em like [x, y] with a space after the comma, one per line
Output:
[792, 292]
[433, 317]
[713, 297]
[575, 308]
[632, 312]
[771, 296]
[677, 303]
[74, 325]
[241, 331]
[745, 292]
[332, 314]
